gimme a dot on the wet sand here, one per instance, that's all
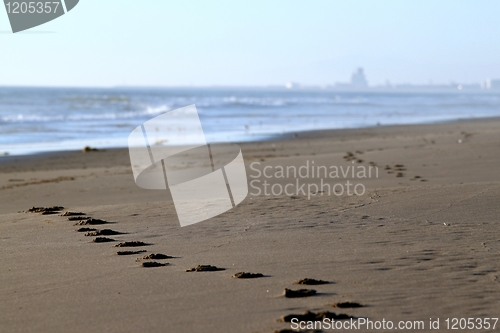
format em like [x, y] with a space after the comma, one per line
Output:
[422, 241]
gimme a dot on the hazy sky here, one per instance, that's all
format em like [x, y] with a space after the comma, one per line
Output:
[178, 42]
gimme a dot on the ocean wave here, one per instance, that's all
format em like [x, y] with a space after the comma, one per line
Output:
[22, 118]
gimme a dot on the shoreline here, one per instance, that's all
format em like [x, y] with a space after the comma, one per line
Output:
[335, 132]
[58, 173]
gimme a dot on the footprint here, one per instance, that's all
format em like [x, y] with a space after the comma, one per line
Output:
[349, 156]
[103, 240]
[46, 210]
[72, 214]
[103, 232]
[157, 256]
[289, 293]
[311, 282]
[131, 244]
[127, 253]
[153, 264]
[78, 218]
[205, 268]
[399, 174]
[91, 221]
[86, 229]
[312, 316]
[246, 275]
[344, 305]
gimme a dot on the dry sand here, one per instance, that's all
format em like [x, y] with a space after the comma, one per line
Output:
[407, 249]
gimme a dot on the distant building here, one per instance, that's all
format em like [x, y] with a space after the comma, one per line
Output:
[292, 85]
[358, 79]
[492, 84]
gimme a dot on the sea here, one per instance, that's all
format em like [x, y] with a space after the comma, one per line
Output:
[34, 120]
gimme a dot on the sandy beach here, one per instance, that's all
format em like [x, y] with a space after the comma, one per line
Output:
[421, 242]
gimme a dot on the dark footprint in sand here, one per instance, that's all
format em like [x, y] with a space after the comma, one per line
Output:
[205, 268]
[86, 229]
[103, 240]
[246, 275]
[131, 244]
[46, 210]
[289, 293]
[311, 316]
[399, 174]
[78, 218]
[91, 221]
[128, 253]
[157, 256]
[311, 282]
[346, 305]
[153, 264]
[103, 232]
[73, 214]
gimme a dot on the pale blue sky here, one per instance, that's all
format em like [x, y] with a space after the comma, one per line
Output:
[177, 42]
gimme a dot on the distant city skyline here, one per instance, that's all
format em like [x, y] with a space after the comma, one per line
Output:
[262, 43]
[358, 81]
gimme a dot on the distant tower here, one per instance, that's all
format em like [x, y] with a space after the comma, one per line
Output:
[358, 79]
